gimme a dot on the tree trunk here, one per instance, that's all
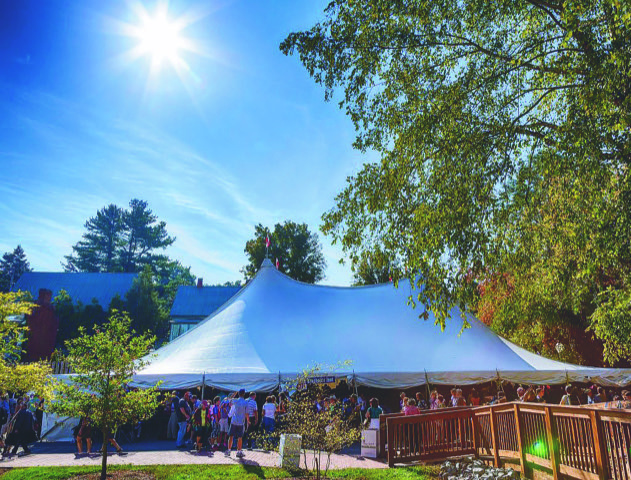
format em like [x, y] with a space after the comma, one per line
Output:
[106, 436]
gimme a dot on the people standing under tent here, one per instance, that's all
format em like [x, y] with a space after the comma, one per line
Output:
[172, 426]
[224, 419]
[215, 431]
[474, 398]
[269, 415]
[529, 396]
[433, 400]
[440, 401]
[201, 423]
[570, 397]
[402, 397]
[453, 400]
[411, 408]
[406, 402]
[540, 398]
[373, 413]
[252, 411]
[238, 424]
[589, 394]
[420, 401]
[601, 396]
[183, 416]
[460, 400]
[361, 400]
[520, 393]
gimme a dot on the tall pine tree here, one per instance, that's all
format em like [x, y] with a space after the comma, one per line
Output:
[12, 266]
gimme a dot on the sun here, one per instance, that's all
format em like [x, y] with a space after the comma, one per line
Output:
[160, 38]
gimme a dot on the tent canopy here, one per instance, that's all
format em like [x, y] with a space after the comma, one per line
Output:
[275, 327]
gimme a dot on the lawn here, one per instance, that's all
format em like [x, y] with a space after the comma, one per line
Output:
[212, 472]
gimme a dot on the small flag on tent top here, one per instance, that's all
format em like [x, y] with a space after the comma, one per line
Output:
[277, 264]
[267, 242]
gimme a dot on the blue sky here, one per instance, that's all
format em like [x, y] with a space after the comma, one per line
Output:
[242, 136]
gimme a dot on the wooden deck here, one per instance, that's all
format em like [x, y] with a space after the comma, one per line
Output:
[564, 442]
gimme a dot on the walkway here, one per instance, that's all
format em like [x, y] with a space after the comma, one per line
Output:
[164, 453]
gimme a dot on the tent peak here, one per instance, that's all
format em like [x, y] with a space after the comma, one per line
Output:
[267, 263]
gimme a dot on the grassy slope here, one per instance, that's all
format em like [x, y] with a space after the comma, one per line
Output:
[223, 472]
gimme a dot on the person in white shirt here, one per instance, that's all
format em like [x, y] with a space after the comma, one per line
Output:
[252, 411]
[269, 415]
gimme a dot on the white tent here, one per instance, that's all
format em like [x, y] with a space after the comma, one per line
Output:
[275, 327]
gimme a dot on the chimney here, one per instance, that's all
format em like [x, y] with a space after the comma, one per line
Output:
[200, 282]
[45, 296]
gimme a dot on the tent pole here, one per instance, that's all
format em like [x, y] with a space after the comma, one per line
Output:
[429, 392]
[203, 383]
[361, 420]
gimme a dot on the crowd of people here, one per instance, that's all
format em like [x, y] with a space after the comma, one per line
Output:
[231, 421]
[571, 395]
[220, 423]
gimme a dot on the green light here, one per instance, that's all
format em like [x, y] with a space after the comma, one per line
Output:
[539, 449]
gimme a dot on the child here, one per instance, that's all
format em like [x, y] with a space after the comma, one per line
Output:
[215, 433]
[411, 408]
[440, 401]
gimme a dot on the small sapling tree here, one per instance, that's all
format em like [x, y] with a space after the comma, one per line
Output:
[324, 431]
[104, 364]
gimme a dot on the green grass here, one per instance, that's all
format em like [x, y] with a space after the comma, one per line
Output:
[223, 472]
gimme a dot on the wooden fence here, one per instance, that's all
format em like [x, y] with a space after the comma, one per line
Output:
[562, 441]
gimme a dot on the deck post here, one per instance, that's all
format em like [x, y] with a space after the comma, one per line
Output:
[553, 444]
[494, 438]
[600, 450]
[475, 432]
[390, 431]
[519, 428]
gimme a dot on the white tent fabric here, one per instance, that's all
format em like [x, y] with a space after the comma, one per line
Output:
[275, 327]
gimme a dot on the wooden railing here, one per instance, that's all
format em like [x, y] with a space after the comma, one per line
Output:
[60, 368]
[563, 441]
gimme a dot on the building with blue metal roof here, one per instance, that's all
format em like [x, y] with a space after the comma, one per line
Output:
[194, 303]
[82, 287]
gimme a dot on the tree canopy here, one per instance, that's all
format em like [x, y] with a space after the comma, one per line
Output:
[15, 376]
[120, 240]
[297, 250]
[504, 134]
[12, 266]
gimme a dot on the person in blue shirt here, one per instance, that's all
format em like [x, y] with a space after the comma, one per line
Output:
[240, 421]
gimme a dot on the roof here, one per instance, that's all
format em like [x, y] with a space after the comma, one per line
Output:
[275, 327]
[81, 287]
[191, 301]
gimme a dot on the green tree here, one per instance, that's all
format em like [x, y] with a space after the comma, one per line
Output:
[119, 240]
[505, 142]
[104, 364]
[171, 275]
[12, 266]
[143, 235]
[324, 432]
[99, 249]
[373, 267]
[73, 316]
[143, 303]
[298, 251]
[14, 376]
